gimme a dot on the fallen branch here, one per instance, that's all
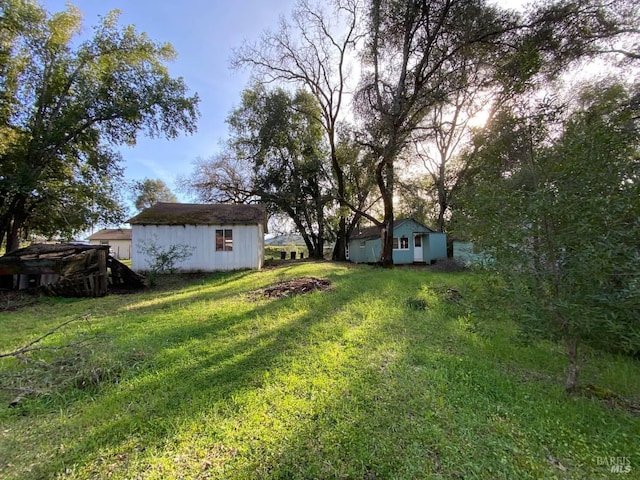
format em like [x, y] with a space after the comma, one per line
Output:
[29, 347]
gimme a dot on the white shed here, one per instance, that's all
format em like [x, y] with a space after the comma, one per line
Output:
[118, 239]
[220, 236]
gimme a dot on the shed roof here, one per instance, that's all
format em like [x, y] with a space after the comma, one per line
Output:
[112, 234]
[163, 213]
[52, 250]
[374, 232]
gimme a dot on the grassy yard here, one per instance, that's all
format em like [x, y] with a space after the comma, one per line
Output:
[386, 375]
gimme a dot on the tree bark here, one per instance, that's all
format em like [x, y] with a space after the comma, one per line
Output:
[17, 219]
[340, 249]
[385, 183]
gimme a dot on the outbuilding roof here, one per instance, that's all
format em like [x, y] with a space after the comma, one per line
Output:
[374, 232]
[163, 213]
[112, 234]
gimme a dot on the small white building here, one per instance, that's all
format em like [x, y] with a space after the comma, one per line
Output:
[118, 239]
[219, 236]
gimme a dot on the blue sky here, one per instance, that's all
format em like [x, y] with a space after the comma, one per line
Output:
[203, 32]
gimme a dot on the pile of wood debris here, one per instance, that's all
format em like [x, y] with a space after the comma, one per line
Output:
[68, 270]
[296, 286]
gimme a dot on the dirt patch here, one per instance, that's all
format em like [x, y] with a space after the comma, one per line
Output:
[609, 397]
[293, 287]
[447, 265]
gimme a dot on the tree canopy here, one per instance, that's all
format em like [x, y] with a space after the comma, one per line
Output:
[275, 155]
[65, 105]
[556, 204]
[312, 51]
[148, 192]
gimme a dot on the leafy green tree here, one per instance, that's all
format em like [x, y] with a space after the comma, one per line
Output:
[556, 203]
[148, 192]
[65, 105]
[421, 55]
[414, 61]
[280, 135]
[276, 155]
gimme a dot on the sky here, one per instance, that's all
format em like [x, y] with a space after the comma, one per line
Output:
[204, 34]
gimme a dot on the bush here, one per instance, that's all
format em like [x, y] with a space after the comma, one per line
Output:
[162, 261]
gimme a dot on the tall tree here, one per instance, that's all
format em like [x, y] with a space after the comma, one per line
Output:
[447, 128]
[556, 202]
[414, 55]
[149, 191]
[222, 178]
[281, 137]
[313, 50]
[421, 55]
[275, 155]
[64, 106]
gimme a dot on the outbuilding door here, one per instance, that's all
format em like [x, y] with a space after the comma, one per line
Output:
[417, 248]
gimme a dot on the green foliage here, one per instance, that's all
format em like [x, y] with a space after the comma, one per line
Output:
[64, 106]
[148, 192]
[557, 202]
[163, 260]
[208, 381]
[276, 155]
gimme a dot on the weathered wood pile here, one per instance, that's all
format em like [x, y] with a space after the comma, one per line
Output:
[296, 286]
[67, 270]
[122, 277]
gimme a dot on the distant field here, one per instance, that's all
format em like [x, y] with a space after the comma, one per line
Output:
[387, 374]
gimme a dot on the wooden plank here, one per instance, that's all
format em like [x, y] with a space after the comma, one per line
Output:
[15, 266]
[81, 270]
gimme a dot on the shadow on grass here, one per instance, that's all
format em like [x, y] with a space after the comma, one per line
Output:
[192, 376]
[213, 288]
[348, 384]
[429, 398]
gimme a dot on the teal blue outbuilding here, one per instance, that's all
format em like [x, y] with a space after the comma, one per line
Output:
[413, 242]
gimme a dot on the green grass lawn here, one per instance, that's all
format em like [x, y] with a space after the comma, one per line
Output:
[387, 375]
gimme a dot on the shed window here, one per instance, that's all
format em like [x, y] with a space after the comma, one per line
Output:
[363, 243]
[224, 240]
[401, 243]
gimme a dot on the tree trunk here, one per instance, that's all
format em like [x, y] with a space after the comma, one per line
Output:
[320, 216]
[13, 236]
[17, 216]
[385, 183]
[13, 239]
[443, 203]
[319, 253]
[441, 211]
[386, 256]
[340, 249]
[573, 368]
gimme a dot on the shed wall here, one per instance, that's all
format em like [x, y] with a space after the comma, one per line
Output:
[437, 246]
[364, 251]
[121, 247]
[248, 246]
